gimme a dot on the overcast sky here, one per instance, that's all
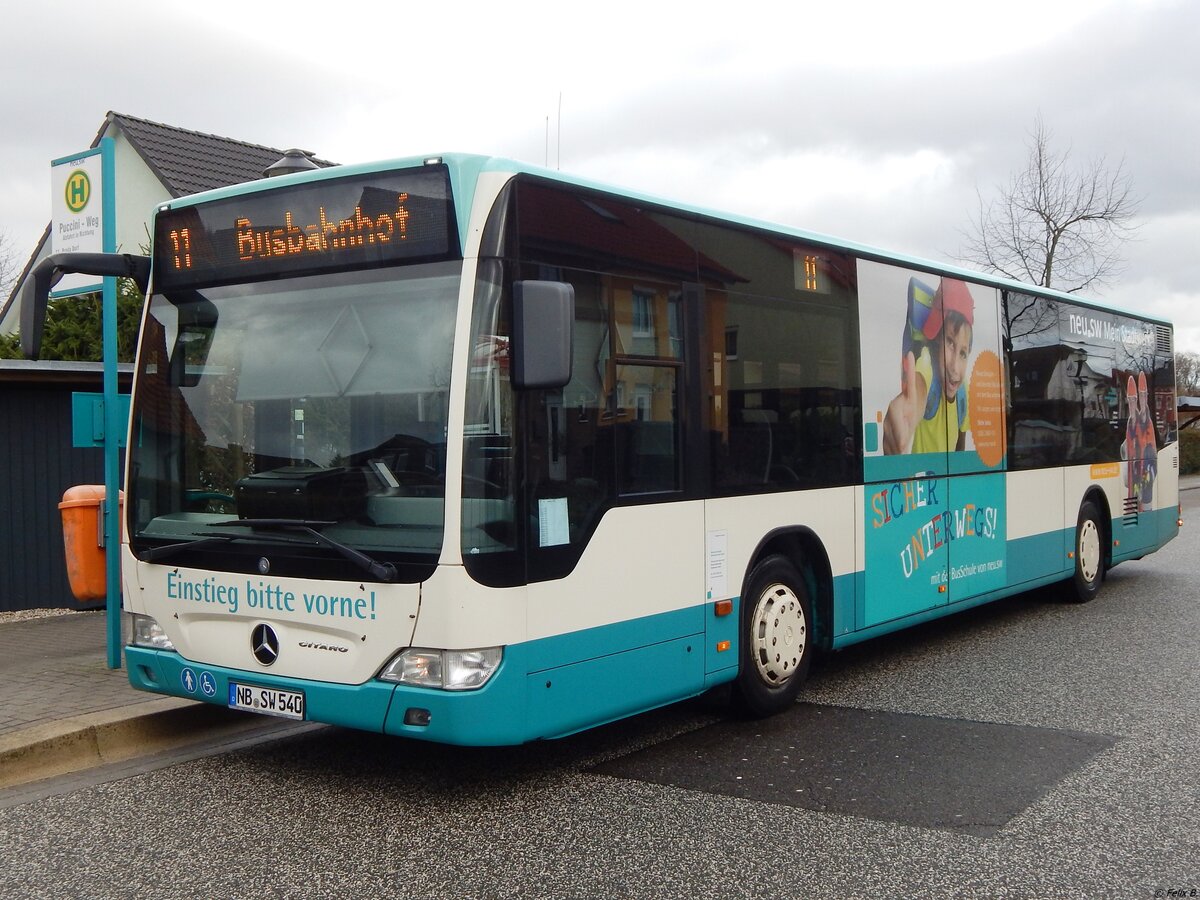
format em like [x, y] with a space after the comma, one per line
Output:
[873, 121]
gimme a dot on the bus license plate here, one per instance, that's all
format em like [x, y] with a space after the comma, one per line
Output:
[269, 701]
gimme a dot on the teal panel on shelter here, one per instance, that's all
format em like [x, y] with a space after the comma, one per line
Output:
[87, 419]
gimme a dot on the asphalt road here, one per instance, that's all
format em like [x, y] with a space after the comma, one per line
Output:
[1030, 748]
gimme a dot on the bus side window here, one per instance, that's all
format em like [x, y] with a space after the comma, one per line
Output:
[648, 458]
[570, 446]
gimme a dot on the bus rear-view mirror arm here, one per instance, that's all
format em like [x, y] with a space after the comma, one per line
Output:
[543, 331]
[47, 274]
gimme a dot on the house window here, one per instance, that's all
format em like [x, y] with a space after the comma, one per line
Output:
[643, 314]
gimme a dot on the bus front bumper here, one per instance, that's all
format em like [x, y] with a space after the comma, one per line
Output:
[488, 716]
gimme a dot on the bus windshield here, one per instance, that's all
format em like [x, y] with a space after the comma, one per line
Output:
[320, 399]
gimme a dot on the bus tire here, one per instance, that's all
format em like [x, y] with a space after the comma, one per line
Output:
[1089, 553]
[776, 639]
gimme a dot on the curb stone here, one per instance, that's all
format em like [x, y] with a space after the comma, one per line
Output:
[95, 739]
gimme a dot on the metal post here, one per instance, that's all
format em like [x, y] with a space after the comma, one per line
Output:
[113, 426]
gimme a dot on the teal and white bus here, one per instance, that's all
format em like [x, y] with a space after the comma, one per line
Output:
[463, 450]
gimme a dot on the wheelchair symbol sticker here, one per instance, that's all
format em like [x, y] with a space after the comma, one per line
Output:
[208, 685]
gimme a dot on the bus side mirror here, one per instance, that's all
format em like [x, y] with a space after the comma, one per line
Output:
[543, 330]
[47, 274]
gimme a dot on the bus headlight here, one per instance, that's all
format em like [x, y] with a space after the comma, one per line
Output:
[451, 670]
[145, 632]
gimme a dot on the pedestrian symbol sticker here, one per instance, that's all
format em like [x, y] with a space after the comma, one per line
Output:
[208, 684]
[188, 679]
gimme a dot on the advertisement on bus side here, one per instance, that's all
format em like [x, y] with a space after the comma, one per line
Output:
[933, 402]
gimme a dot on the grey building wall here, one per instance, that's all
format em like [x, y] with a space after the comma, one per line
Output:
[37, 464]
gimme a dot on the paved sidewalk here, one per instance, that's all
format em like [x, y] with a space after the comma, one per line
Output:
[62, 710]
[55, 668]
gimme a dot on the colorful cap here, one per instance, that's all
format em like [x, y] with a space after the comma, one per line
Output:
[951, 295]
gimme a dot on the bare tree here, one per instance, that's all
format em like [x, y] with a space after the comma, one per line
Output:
[8, 266]
[1187, 374]
[1055, 224]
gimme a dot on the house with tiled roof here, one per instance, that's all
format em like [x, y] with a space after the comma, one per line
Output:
[153, 163]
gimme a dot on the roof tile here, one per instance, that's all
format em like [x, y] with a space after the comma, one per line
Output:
[192, 161]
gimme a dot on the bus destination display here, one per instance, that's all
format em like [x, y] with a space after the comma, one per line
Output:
[345, 223]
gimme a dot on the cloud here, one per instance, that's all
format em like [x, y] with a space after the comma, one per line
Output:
[874, 122]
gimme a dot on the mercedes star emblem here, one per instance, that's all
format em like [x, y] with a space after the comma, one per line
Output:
[265, 644]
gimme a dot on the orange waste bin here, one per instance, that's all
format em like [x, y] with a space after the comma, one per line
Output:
[83, 534]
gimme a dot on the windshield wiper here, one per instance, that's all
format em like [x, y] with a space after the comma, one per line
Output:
[385, 572]
[207, 540]
[171, 549]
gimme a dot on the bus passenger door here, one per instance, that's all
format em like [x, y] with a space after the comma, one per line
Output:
[906, 548]
[919, 445]
[976, 534]
[975, 522]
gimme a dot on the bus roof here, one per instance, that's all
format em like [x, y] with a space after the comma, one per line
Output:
[465, 169]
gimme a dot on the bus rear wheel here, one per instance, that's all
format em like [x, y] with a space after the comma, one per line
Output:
[776, 639]
[1089, 553]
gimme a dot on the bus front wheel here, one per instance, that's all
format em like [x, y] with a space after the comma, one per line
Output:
[776, 639]
[1089, 553]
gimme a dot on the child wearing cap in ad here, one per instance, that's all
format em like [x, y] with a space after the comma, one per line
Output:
[929, 415]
